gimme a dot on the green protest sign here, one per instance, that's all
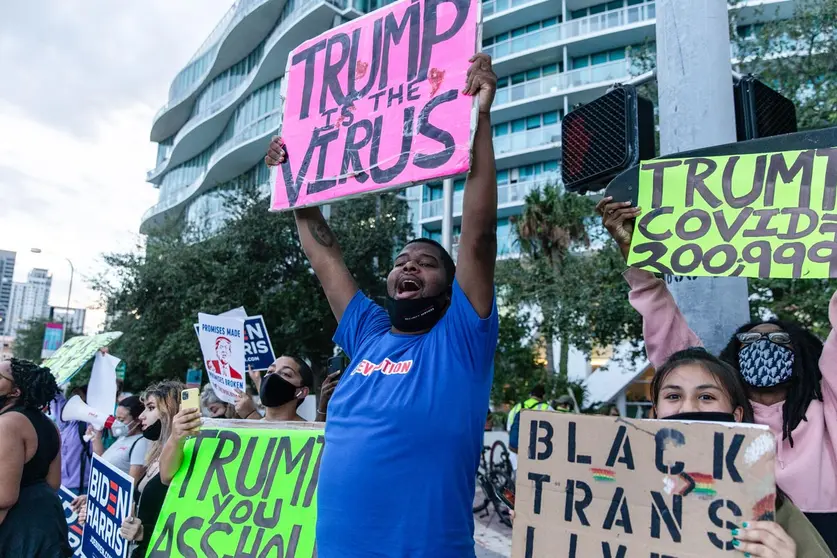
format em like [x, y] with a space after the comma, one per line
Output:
[243, 491]
[759, 215]
[74, 354]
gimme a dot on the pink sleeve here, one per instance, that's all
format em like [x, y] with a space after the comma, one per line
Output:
[828, 364]
[663, 326]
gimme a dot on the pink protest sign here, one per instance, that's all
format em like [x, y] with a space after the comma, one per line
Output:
[377, 103]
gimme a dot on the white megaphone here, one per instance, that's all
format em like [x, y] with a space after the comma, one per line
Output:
[76, 409]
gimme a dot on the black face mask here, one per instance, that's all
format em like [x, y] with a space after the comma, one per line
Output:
[416, 314]
[275, 391]
[153, 432]
[704, 416]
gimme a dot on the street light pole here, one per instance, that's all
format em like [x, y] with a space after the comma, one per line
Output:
[69, 292]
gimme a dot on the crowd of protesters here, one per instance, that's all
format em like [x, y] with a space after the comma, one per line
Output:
[416, 410]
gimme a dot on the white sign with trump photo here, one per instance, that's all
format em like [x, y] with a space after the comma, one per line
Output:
[222, 345]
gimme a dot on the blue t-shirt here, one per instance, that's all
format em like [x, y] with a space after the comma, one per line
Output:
[404, 435]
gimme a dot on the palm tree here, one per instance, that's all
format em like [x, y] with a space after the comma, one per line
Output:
[552, 224]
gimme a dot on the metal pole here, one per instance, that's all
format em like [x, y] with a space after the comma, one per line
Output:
[696, 110]
[447, 214]
[69, 295]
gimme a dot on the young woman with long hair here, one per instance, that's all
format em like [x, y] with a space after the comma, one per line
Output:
[694, 385]
[790, 376]
[162, 403]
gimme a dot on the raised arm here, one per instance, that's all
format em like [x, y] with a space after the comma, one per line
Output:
[185, 423]
[828, 361]
[320, 246]
[478, 240]
[663, 326]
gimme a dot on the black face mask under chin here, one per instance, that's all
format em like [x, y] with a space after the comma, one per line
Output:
[275, 391]
[153, 432]
[416, 314]
[704, 416]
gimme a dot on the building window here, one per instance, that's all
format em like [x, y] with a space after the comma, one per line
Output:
[529, 123]
[520, 31]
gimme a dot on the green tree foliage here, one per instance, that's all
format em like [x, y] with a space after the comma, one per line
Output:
[797, 56]
[581, 296]
[516, 366]
[154, 295]
[29, 340]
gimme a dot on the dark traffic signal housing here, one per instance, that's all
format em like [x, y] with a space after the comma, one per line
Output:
[761, 112]
[604, 137]
[616, 131]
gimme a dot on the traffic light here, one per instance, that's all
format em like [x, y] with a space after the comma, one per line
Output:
[761, 112]
[604, 137]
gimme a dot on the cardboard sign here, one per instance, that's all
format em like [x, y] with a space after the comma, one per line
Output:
[760, 215]
[109, 502]
[244, 491]
[596, 487]
[74, 354]
[222, 345]
[74, 530]
[258, 349]
[377, 103]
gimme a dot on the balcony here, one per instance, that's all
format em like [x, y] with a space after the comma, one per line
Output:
[507, 246]
[210, 48]
[557, 83]
[530, 139]
[260, 127]
[571, 29]
[508, 195]
[608, 20]
[249, 83]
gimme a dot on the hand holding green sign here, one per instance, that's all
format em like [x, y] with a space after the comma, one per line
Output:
[758, 215]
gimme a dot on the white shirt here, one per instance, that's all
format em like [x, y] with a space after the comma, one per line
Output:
[127, 451]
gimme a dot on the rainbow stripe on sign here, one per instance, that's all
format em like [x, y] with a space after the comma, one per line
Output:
[603, 475]
[704, 484]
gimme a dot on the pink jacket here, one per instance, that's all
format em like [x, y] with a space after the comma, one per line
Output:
[807, 472]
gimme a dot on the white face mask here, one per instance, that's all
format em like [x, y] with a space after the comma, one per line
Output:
[119, 429]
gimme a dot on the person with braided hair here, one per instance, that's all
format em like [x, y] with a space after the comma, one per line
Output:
[791, 379]
[32, 520]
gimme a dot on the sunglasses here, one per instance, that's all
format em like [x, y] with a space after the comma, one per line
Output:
[778, 337]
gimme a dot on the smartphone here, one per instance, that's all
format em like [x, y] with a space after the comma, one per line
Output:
[190, 399]
[336, 364]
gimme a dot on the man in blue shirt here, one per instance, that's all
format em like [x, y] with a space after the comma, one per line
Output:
[405, 423]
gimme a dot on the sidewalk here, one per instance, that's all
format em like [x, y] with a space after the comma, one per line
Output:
[493, 539]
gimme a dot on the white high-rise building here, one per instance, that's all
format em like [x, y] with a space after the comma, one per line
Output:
[29, 301]
[7, 274]
[73, 320]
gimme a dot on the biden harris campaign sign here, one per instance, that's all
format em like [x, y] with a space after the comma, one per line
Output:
[109, 502]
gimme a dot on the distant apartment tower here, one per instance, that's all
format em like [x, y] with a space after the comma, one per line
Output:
[72, 319]
[30, 300]
[7, 273]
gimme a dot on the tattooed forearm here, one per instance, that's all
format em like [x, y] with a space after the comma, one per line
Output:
[321, 232]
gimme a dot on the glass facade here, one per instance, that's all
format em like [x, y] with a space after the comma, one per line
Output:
[250, 112]
[228, 81]
[207, 213]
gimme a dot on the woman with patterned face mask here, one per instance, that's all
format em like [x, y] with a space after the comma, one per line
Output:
[791, 379]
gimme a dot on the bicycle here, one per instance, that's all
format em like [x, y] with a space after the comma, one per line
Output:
[493, 476]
